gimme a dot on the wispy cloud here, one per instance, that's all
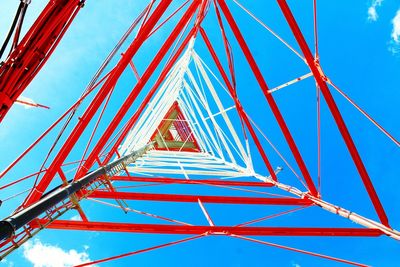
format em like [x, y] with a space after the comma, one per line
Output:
[372, 13]
[396, 28]
[75, 218]
[45, 255]
[395, 41]
[7, 263]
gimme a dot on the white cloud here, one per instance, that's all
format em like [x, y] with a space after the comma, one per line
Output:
[76, 218]
[45, 255]
[394, 45]
[372, 13]
[396, 28]
[294, 264]
[7, 263]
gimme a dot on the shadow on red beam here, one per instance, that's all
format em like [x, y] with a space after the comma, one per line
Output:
[204, 199]
[195, 230]
[165, 180]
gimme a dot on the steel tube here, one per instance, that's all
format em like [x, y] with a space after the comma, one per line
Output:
[9, 225]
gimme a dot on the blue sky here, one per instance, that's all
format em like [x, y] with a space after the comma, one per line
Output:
[359, 51]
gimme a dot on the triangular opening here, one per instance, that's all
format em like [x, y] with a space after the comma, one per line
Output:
[174, 132]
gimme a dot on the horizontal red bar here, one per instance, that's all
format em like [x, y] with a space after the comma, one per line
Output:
[195, 230]
[205, 199]
[165, 180]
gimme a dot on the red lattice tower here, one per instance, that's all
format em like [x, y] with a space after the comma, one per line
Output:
[177, 130]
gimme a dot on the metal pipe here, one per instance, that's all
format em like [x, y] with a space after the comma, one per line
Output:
[9, 225]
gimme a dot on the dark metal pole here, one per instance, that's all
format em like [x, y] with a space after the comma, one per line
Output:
[9, 225]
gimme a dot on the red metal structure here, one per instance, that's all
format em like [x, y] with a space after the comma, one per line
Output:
[29, 55]
[178, 139]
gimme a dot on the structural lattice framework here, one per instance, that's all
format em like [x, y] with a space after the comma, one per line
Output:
[186, 117]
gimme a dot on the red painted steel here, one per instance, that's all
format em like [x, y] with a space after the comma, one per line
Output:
[270, 99]
[137, 89]
[165, 180]
[301, 251]
[36, 105]
[194, 230]
[30, 55]
[75, 105]
[58, 22]
[321, 81]
[139, 251]
[152, 91]
[195, 198]
[160, 79]
[96, 103]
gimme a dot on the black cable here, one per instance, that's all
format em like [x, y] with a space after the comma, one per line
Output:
[19, 27]
[11, 29]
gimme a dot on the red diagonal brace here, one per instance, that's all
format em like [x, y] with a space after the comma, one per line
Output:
[270, 99]
[319, 77]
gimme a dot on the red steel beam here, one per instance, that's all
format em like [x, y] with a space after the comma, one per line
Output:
[137, 89]
[30, 55]
[165, 180]
[96, 103]
[195, 230]
[160, 79]
[270, 99]
[321, 81]
[195, 198]
[144, 103]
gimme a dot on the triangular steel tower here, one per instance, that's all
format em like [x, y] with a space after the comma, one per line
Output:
[183, 139]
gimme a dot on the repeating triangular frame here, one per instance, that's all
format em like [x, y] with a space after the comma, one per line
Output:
[303, 198]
